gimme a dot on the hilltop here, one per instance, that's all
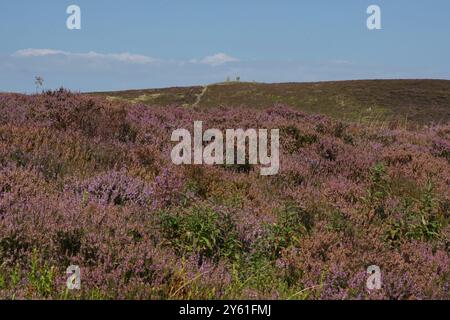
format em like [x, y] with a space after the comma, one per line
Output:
[412, 101]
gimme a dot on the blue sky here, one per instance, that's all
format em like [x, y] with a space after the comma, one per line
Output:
[158, 43]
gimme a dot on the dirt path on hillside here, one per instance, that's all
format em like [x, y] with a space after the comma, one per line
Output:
[200, 96]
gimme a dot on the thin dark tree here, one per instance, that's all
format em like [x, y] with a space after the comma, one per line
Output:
[38, 81]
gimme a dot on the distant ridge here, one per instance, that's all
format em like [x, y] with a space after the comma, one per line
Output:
[419, 101]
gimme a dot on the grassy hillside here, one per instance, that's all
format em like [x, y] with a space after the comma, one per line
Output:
[412, 101]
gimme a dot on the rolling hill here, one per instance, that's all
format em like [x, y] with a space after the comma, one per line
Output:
[411, 101]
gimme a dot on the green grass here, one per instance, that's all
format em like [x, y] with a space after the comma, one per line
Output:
[405, 101]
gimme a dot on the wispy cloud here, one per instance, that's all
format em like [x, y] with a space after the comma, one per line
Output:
[216, 59]
[92, 55]
[38, 52]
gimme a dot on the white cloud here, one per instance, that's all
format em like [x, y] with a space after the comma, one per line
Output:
[122, 57]
[38, 52]
[216, 59]
[132, 58]
[213, 60]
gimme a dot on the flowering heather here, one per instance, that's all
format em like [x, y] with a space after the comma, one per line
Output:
[88, 182]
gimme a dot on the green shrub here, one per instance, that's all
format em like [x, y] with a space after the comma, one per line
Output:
[20, 157]
[300, 140]
[41, 276]
[379, 189]
[379, 184]
[338, 222]
[201, 230]
[421, 220]
[293, 222]
[69, 242]
[426, 223]
[12, 246]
